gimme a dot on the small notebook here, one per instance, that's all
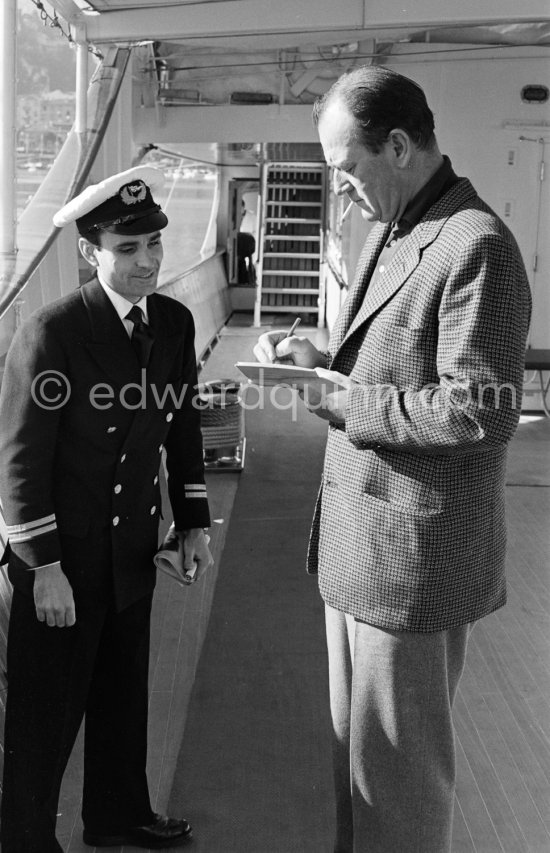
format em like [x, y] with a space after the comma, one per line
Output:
[276, 374]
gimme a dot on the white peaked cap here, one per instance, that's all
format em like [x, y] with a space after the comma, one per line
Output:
[97, 194]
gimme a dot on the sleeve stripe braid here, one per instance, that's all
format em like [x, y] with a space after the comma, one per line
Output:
[195, 491]
[24, 532]
[39, 522]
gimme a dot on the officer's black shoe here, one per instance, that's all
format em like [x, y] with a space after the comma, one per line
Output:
[163, 832]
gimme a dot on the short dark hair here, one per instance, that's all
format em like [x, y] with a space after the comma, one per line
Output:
[380, 100]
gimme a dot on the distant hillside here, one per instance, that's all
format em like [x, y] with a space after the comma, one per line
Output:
[45, 59]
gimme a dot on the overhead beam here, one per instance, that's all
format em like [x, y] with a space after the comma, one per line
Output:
[439, 13]
[234, 17]
[243, 18]
[68, 10]
[291, 123]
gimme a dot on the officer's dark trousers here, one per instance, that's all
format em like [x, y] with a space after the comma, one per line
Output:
[98, 668]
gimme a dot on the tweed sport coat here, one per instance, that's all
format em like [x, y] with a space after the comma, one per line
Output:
[79, 481]
[409, 526]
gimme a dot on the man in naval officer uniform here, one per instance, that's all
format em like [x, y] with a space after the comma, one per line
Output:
[90, 399]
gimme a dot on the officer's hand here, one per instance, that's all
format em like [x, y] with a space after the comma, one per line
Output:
[196, 553]
[53, 597]
[275, 346]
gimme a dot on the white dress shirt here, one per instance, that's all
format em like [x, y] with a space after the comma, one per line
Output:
[122, 306]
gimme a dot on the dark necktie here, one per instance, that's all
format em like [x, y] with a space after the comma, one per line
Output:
[142, 337]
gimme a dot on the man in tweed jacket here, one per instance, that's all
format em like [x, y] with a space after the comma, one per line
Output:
[408, 537]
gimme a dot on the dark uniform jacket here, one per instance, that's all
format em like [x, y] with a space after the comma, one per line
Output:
[82, 433]
[409, 530]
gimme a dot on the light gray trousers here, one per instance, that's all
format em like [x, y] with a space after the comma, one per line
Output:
[391, 694]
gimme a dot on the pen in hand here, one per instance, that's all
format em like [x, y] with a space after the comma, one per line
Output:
[292, 329]
[290, 332]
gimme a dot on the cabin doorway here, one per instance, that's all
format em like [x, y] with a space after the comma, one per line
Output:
[244, 195]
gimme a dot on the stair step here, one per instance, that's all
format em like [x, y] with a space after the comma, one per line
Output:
[297, 291]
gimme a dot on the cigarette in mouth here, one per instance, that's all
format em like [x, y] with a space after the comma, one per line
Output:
[347, 211]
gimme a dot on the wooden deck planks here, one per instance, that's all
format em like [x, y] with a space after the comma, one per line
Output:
[502, 714]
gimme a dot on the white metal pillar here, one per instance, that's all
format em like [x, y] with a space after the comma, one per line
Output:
[8, 196]
[81, 115]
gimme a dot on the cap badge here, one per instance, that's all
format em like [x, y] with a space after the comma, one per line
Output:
[133, 193]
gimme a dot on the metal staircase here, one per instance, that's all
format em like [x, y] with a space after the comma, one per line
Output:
[291, 240]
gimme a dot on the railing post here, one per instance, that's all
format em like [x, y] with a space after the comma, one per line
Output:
[8, 196]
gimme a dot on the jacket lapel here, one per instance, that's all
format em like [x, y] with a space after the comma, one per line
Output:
[109, 344]
[365, 268]
[110, 347]
[365, 300]
[167, 342]
[402, 265]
